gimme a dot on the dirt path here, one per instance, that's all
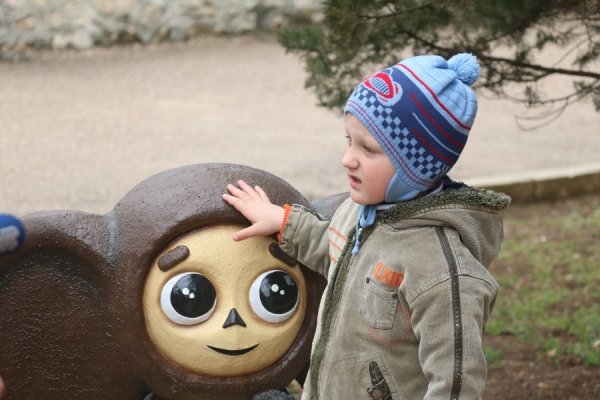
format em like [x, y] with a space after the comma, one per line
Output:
[81, 129]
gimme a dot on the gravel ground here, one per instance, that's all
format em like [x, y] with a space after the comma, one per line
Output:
[80, 129]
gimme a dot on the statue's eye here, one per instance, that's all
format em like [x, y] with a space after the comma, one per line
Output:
[274, 296]
[188, 298]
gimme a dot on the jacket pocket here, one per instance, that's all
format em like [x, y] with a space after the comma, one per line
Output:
[362, 376]
[378, 305]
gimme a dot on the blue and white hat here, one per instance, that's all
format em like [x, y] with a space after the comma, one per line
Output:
[420, 111]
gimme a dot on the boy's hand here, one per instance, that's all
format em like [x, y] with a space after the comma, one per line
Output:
[254, 204]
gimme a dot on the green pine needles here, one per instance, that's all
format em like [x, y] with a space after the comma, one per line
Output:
[519, 44]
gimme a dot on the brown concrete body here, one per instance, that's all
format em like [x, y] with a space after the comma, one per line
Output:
[71, 315]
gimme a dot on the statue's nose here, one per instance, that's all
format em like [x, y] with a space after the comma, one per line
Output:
[233, 318]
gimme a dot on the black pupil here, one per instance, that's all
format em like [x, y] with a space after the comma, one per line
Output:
[193, 296]
[278, 292]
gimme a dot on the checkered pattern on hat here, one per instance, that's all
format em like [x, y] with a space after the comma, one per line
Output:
[420, 111]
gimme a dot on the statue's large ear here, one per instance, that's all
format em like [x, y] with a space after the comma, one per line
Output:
[327, 205]
[57, 334]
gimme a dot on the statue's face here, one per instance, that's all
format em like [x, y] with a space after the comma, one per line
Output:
[223, 308]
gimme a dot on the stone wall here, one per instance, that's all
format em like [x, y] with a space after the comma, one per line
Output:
[80, 24]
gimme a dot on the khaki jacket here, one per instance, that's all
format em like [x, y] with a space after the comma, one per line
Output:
[404, 317]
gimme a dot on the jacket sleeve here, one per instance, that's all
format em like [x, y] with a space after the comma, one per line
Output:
[448, 321]
[304, 237]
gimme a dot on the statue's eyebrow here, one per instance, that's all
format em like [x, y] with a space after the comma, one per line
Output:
[173, 257]
[279, 254]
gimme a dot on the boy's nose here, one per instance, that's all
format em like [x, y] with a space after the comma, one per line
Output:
[349, 160]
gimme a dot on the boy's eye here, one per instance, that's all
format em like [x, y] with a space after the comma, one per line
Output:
[348, 139]
[368, 150]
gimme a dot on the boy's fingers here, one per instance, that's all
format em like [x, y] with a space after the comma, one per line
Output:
[230, 199]
[245, 233]
[243, 185]
[263, 195]
[238, 204]
[235, 191]
[247, 188]
[242, 192]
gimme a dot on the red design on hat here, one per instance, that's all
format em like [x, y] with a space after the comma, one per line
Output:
[387, 90]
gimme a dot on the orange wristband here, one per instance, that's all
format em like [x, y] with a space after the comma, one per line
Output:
[287, 209]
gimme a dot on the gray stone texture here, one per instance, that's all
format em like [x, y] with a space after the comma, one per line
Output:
[81, 24]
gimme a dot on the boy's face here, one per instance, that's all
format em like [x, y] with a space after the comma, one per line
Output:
[368, 167]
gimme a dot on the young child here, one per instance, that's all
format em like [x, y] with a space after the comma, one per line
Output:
[406, 256]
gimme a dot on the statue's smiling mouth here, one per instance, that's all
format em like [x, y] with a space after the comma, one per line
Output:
[233, 352]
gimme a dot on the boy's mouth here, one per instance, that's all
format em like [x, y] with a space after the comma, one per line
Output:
[354, 181]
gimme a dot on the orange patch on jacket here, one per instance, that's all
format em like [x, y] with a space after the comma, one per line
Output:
[387, 276]
[338, 233]
[337, 241]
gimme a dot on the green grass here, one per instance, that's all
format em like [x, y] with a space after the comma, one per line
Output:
[549, 276]
[492, 354]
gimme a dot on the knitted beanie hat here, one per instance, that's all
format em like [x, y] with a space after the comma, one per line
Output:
[420, 112]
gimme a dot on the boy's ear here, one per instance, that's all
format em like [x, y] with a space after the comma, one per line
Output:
[327, 205]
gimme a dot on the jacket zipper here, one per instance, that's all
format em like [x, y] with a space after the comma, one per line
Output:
[456, 313]
[332, 302]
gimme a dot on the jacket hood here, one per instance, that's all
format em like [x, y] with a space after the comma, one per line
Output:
[475, 213]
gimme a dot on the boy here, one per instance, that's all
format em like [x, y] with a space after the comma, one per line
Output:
[406, 257]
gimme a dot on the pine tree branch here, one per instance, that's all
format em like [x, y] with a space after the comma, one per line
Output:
[519, 64]
[546, 70]
[396, 14]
